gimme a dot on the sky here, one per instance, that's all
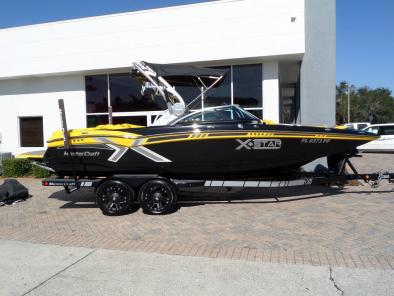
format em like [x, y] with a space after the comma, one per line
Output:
[365, 42]
[365, 30]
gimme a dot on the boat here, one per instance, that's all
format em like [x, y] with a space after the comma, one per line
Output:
[223, 142]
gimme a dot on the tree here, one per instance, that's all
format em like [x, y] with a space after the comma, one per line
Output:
[341, 102]
[372, 105]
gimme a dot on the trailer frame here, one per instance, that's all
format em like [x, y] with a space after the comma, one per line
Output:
[159, 194]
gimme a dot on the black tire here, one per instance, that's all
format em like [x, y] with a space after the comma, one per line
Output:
[115, 198]
[158, 197]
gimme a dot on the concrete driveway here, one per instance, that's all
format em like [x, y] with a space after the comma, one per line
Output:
[36, 269]
[351, 228]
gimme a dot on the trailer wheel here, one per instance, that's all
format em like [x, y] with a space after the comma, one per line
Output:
[115, 198]
[158, 197]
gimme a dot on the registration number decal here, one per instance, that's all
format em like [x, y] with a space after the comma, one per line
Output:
[315, 141]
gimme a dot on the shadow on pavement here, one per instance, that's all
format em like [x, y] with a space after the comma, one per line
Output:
[268, 195]
[84, 198]
[258, 195]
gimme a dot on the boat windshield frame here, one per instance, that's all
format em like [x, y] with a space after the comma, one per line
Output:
[248, 116]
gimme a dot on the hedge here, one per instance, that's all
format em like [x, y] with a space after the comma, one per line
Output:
[14, 168]
[38, 172]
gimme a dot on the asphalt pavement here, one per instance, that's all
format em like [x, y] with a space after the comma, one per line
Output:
[39, 269]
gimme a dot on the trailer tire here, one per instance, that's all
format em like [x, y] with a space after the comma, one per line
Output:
[115, 198]
[158, 197]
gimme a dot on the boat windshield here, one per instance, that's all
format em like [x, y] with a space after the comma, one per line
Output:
[225, 113]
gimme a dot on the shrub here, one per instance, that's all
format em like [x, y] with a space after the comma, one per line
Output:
[38, 172]
[16, 167]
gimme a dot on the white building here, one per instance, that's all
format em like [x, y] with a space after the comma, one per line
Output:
[281, 54]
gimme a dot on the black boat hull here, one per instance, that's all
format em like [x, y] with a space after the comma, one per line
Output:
[217, 154]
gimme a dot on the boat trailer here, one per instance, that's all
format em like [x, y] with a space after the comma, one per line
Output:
[156, 194]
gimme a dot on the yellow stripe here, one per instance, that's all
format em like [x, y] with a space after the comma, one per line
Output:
[252, 133]
[29, 156]
[87, 133]
[207, 136]
[153, 140]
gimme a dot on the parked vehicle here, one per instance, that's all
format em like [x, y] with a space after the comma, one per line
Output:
[357, 125]
[383, 144]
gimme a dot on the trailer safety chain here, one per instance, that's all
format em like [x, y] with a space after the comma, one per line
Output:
[376, 182]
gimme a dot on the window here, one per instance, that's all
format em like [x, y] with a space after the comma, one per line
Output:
[137, 120]
[96, 93]
[242, 85]
[248, 81]
[219, 96]
[289, 91]
[127, 102]
[95, 120]
[189, 93]
[126, 95]
[373, 130]
[361, 126]
[288, 100]
[387, 130]
[218, 114]
[31, 132]
[257, 113]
